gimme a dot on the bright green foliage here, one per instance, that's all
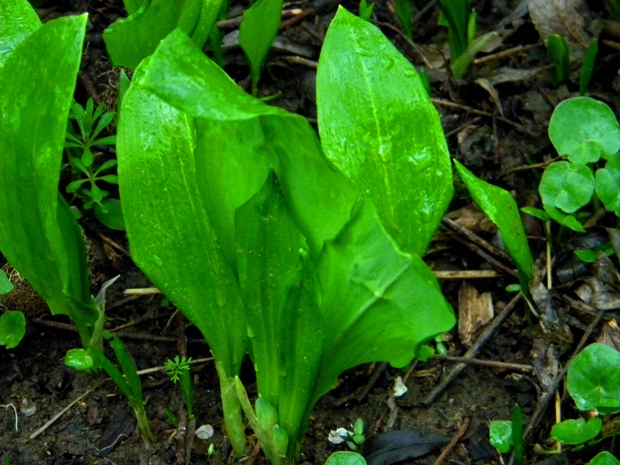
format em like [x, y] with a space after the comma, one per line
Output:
[404, 11]
[567, 186]
[133, 6]
[282, 256]
[18, 20]
[128, 381]
[500, 435]
[576, 431]
[604, 458]
[593, 379]
[517, 434]
[345, 458]
[558, 56]
[460, 19]
[43, 241]
[380, 129]
[365, 10]
[608, 184]
[502, 209]
[588, 67]
[130, 40]
[12, 328]
[585, 130]
[257, 32]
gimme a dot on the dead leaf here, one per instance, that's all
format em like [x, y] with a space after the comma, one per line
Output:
[475, 311]
[566, 17]
[545, 359]
[598, 294]
[610, 335]
[505, 74]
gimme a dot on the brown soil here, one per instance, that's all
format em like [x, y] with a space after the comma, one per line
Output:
[34, 374]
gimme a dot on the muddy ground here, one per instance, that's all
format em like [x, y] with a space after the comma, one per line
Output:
[494, 125]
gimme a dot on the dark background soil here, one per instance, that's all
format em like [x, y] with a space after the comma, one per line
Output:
[34, 374]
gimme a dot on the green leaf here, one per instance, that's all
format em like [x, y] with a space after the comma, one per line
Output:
[608, 184]
[576, 431]
[79, 359]
[558, 56]
[500, 435]
[365, 10]
[455, 15]
[517, 434]
[593, 379]
[404, 12]
[345, 458]
[110, 213]
[44, 242]
[588, 66]
[585, 130]
[257, 32]
[566, 186]
[18, 20]
[130, 40]
[537, 213]
[5, 284]
[604, 458]
[380, 129]
[502, 209]
[12, 328]
[377, 303]
[562, 218]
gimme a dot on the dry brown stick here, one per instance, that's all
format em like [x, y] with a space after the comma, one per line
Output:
[467, 274]
[113, 244]
[454, 442]
[518, 126]
[475, 238]
[489, 331]
[488, 363]
[549, 394]
[506, 53]
[489, 258]
[542, 165]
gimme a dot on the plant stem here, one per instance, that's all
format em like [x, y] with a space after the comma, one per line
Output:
[232, 412]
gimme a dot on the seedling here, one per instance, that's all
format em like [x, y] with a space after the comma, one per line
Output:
[365, 10]
[128, 381]
[272, 251]
[179, 370]
[357, 439]
[404, 12]
[460, 19]
[257, 32]
[79, 149]
[558, 56]
[508, 435]
[587, 132]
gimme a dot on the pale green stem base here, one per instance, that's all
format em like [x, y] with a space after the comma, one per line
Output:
[233, 421]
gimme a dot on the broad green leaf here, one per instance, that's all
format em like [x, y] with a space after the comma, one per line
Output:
[248, 132]
[576, 431]
[500, 435]
[566, 186]
[502, 209]
[12, 328]
[608, 184]
[604, 458]
[345, 458]
[5, 284]
[257, 32]
[585, 130]
[171, 235]
[593, 379]
[43, 242]
[17, 21]
[130, 40]
[377, 303]
[380, 129]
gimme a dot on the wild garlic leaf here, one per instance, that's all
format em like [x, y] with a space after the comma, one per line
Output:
[18, 20]
[43, 242]
[378, 126]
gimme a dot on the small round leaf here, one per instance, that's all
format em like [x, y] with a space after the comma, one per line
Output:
[12, 328]
[345, 458]
[576, 431]
[567, 186]
[500, 435]
[604, 458]
[79, 359]
[608, 184]
[5, 283]
[585, 130]
[593, 379]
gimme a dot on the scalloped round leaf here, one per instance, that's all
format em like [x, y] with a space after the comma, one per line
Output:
[608, 184]
[12, 328]
[585, 130]
[576, 431]
[79, 359]
[567, 186]
[593, 379]
[345, 458]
